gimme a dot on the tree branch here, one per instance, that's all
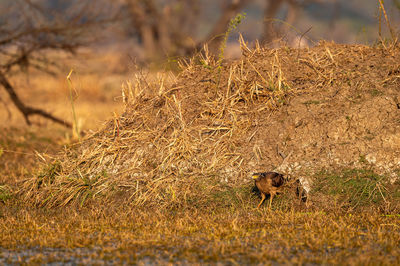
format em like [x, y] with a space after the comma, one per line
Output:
[27, 111]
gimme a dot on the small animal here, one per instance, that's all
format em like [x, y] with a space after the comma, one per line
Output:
[268, 183]
[301, 192]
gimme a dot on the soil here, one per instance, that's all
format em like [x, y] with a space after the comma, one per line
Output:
[342, 108]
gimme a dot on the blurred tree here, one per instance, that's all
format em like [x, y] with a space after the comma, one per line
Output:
[29, 30]
[272, 31]
[396, 3]
[169, 27]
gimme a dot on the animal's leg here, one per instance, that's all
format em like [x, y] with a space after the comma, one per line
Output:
[270, 199]
[262, 199]
[307, 202]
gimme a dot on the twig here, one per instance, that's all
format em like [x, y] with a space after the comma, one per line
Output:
[387, 20]
[301, 37]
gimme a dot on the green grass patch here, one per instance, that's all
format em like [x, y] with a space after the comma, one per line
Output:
[353, 188]
[48, 174]
[375, 92]
[230, 196]
[310, 102]
[5, 193]
[397, 171]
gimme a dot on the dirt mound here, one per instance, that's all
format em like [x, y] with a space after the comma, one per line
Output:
[295, 110]
[345, 114]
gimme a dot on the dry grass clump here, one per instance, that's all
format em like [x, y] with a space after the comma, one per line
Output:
[210, 235]
[181, 138]
[166, 139]
[18, 151]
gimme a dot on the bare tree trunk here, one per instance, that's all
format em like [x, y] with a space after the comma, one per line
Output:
[26, 110]
[270, 13]
[335, 15]
[293, 11]
[149, 42]
[163, 28]
[142, 17]
[167, 29]
[216, 35]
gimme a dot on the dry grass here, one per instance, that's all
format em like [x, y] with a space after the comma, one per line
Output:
[179, 132]
[164, 140]
[167, 180]
[201, 235]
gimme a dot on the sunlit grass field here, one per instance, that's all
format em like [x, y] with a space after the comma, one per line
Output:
[351, 216]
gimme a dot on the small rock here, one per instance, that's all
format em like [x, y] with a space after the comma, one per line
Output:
[370, 159]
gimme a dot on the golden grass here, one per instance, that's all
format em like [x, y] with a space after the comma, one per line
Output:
[177, 131]
[210, 234]
[167, 180]
[168, 147]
